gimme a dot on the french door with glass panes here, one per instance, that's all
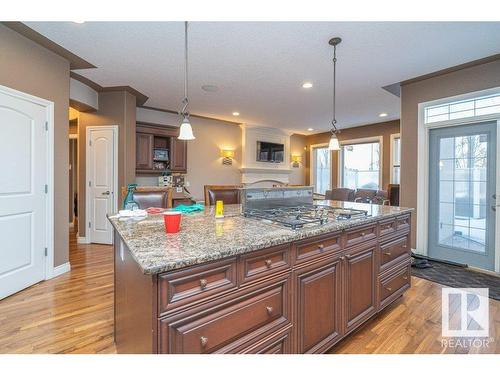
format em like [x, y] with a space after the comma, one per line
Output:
[462, 200]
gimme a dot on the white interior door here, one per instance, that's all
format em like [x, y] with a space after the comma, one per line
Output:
[101, 172]
[23, 201]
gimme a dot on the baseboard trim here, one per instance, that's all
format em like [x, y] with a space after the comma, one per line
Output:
[82, 240]
[61, 269]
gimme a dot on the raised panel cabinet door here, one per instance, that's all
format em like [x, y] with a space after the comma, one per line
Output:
[144, 151]
[319, 306]
[179, 155]
[360, 287]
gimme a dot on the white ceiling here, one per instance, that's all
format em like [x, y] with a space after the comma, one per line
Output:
[259, 67]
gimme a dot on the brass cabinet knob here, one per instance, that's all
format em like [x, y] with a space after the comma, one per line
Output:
[321, 246]
[405, 277]
[342, 258]
[269, 310]
[363, 234]
[268, 263]
[203, 283]
[404, 246]
[203, 341]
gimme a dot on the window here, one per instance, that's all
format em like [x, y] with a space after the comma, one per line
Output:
[321, 168]
[360, 164]
[395, 159]
[483, 105]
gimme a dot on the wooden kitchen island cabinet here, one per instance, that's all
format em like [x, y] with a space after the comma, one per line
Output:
[298, 297]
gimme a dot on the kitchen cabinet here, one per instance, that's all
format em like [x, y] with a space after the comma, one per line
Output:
[144, 151]
[298, 297]
[319, 305]
[151, 137]
[178, 162]
[360, 287]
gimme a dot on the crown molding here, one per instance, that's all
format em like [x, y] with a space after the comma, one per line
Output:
[190, 115]
[140, 97]
[452, 69]
[75, 62]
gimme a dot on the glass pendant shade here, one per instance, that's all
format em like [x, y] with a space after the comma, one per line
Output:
[186, 131]
[334, 145]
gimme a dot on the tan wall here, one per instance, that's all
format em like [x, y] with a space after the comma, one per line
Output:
[384, 129]
[115, 108]
[30, 68]
[467, 80]
[203, 156]
[297, 144]
[205, 163]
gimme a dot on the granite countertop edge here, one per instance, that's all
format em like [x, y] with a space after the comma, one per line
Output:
[150, 267]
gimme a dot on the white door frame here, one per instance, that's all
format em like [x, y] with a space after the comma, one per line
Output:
[114, 128]
[49, 197]
[312, 173]
[423, 167]
[377, 138]
[391, 155]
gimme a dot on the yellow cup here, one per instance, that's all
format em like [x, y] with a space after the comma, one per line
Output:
[219, 209]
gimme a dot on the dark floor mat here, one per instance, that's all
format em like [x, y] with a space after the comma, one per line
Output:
[459, 277]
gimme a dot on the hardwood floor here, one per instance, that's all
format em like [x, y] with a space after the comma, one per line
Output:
[73, 313]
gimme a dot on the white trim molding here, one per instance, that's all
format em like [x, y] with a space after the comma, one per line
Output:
[312, 167]
[423, 167]
[379, 139]
[61, 269]
[82, 240]
[391, 156]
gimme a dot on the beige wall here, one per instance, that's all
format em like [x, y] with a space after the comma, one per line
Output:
[467, 80]
[30, 68]
[297, 144]
[205, 163]
[115, 108]
[384, 129]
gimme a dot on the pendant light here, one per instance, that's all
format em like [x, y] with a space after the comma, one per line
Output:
[186, 131]
[333, 145]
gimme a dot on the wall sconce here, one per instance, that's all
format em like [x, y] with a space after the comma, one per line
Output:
[227, 156]
[296, 159]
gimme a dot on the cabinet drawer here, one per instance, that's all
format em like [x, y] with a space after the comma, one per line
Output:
[227, 327]
[393, 252]
[264, 263]
[403, 223]
[278, 343]
[317, 246]
[187, 286]
[387, 227]
[394, 284]
[359, 235]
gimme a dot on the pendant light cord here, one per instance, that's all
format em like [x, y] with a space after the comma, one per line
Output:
[334, 121]
[185, 101]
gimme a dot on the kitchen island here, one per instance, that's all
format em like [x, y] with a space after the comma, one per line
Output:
[243, 285]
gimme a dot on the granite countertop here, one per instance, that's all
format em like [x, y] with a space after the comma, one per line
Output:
[203, 238]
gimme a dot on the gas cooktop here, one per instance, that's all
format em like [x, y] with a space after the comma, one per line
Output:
[296, 217]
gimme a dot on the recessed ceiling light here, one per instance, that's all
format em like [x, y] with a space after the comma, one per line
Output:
[307, 85]
[310, 129]
[236, 113]
[383, 114]
[209, 88]
[79, 21]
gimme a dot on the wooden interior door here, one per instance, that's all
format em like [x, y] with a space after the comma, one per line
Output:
[319, 301]
[360, 287]
[23, 191]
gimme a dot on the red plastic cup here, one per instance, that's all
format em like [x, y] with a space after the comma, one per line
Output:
[172, 221]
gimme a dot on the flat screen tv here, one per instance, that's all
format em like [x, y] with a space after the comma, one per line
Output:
[270, 152]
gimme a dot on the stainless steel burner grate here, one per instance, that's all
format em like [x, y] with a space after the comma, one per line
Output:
[296, 217]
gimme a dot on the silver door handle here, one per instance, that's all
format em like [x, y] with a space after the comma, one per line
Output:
[106, 193]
